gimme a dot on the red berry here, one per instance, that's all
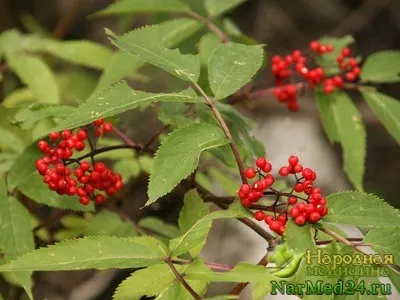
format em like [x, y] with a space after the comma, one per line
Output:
[291, 90]
[269, 180]
[54, 136]
[79, 145]
[350, 76]
[100, 167]
[82, 135]
[84, 200]
[98, 122]
[292, 200]
[66, 134]
[259, 215]
[245, 189]
[107, 127]
[293, 160]
[298, 187]
[118, 185]
[297, 168]
[43, 146]
[250, 172]
[338, 81]
[81, 192]
[284, 171]
[301, 207]
[268, 219]
[314, 217]
[98, 131]
[84, 179]
[99, 199]
[300, 220]
[329, 48]
[346, 52]
[307, 174]
[42, 169]
[314, 45]
[274, 225]
[261, 162]
[294, 212]
[85, 166]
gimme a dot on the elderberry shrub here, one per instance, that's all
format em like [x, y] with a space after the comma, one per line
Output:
[91, 182]
[298, 65]
[309, 208]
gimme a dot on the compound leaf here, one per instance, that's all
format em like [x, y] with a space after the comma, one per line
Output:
[384, 241]
[381, 67]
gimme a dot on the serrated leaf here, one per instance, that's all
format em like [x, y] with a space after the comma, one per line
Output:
[387, 110]
[147, 282]
[115, 226]
[82, 52]
[73, 221]
[138, 6]
[66, 234]
[231, 66]
[195, 236]
[299, 238]
[123, 64]
[218, 7]
[381, 67]
[16, 237]
[353, 137]
[159, 226]
[144, 43]
[37, 75]
[178, 156]
[9, 140]
[384, 241]
[325, 104]
[92, 253]
[117, 99]
[359, 209]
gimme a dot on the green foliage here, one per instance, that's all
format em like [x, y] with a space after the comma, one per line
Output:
[299, 238]
[117, 99]
[145, 44]
[16, 236]
[384, 241]
[138, 6]
[325, 104]
[231, 66]
[359, 209]
[218, 7]
[115, 226]
[178, 156]
[387, 109]
[111, 252]
[345, 118]
[382, 67]
[159, 227]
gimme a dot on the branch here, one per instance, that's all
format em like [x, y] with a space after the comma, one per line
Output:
[124, 137]
[210, 25]
[50, 220]
[180, 278]
[155, 137]
[225, 128]
[67, 19]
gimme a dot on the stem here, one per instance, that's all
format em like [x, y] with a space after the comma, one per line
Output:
[210, 25]
[102, 150]
[342, 239]
[67, 19]
[124, 137]
[240, 286]
[219, 267]
[180, 278]
[225, 128]
[155, 137]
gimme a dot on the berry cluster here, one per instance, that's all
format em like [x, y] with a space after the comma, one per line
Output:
[310, 208]
[58, 176]
[296, 64]
[102, 127]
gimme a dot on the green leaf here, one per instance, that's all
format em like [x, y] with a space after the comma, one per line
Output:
[127, 168]
[145, 44]
[197, 233]
[223, 179]
[138, 6]
[123, 64]
[352, 136]
[160, 227]
[147, 282]
[218, 7]
[325, 105]
[232, 66]
[73, 221]
[9, 140]
[92, 253]
[16, 237]
[359, 209]
[85, 53]
[36, 74]
[381, 67]
[117, 99]
[384, 241]
[299, 238]
[387, 110]
[115, 226]
[178, 156]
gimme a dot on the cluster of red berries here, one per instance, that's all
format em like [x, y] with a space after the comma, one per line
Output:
[310, 209]
[58, 176]
[102, 127]
[295, 63]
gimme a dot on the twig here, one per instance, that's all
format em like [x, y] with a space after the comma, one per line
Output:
[180, 278]
[240, 286]
[124, 137]
[155, 137]
[223, 37]
[342, 239]
[225, 128]
[324, 242]
[67, 19]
